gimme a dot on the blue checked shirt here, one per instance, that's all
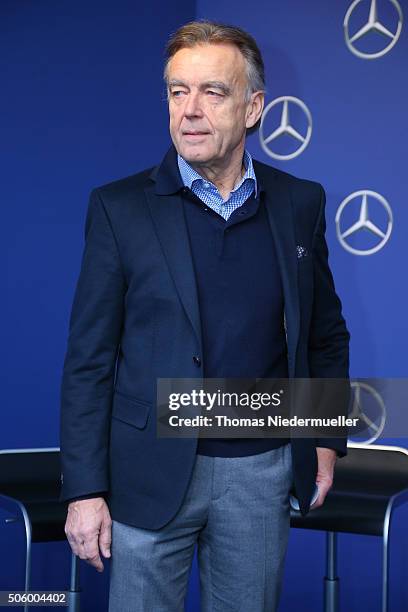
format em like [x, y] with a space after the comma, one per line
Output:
[208, 192]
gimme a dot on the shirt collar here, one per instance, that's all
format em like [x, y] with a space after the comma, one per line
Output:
[189, 175]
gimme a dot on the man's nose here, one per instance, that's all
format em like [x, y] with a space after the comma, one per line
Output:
[192, 107]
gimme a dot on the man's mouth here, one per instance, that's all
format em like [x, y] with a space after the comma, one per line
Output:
[195, 133]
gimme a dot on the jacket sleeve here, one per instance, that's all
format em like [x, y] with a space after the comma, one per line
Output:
[329, 337]
[88, 373]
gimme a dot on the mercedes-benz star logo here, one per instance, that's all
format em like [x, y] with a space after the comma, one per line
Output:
[372, 418]
[364, 222]
[285, 128]
[372, 25]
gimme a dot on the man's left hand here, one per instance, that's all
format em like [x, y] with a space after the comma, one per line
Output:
[326, 460]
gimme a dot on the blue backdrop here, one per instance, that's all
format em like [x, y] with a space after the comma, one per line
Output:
[83, 103]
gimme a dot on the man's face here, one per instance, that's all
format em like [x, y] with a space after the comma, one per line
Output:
[208, 113]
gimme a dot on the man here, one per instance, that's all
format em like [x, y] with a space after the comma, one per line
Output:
[192, 269]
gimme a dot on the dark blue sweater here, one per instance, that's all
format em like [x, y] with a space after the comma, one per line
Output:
[241, 304]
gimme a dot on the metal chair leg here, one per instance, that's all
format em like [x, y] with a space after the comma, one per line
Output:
[331, 580]
[386, 559]
[19, 514]
[28, 533]
[74, 590]
[385, 571]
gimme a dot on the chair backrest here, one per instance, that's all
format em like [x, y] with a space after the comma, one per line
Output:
[374, 468]
[27, 472]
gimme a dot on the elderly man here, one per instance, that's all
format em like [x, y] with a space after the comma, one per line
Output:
[192, 269]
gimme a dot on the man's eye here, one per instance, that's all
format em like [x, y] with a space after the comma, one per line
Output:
[215, 93]
[176, 93]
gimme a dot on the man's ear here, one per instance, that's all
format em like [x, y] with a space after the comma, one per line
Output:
[255, 108]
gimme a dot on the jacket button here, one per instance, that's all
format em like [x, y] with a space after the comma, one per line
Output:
[197, 360]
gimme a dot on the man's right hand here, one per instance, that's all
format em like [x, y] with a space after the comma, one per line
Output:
[88, 530]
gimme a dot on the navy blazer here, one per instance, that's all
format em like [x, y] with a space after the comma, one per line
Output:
[135, 318]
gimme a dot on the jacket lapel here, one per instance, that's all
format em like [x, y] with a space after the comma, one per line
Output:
[280, 213]
[166, 209]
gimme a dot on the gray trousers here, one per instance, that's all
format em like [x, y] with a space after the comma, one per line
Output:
[236, 510]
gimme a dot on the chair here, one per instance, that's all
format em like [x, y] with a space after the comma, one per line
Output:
[29, 492]
[369, 484]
